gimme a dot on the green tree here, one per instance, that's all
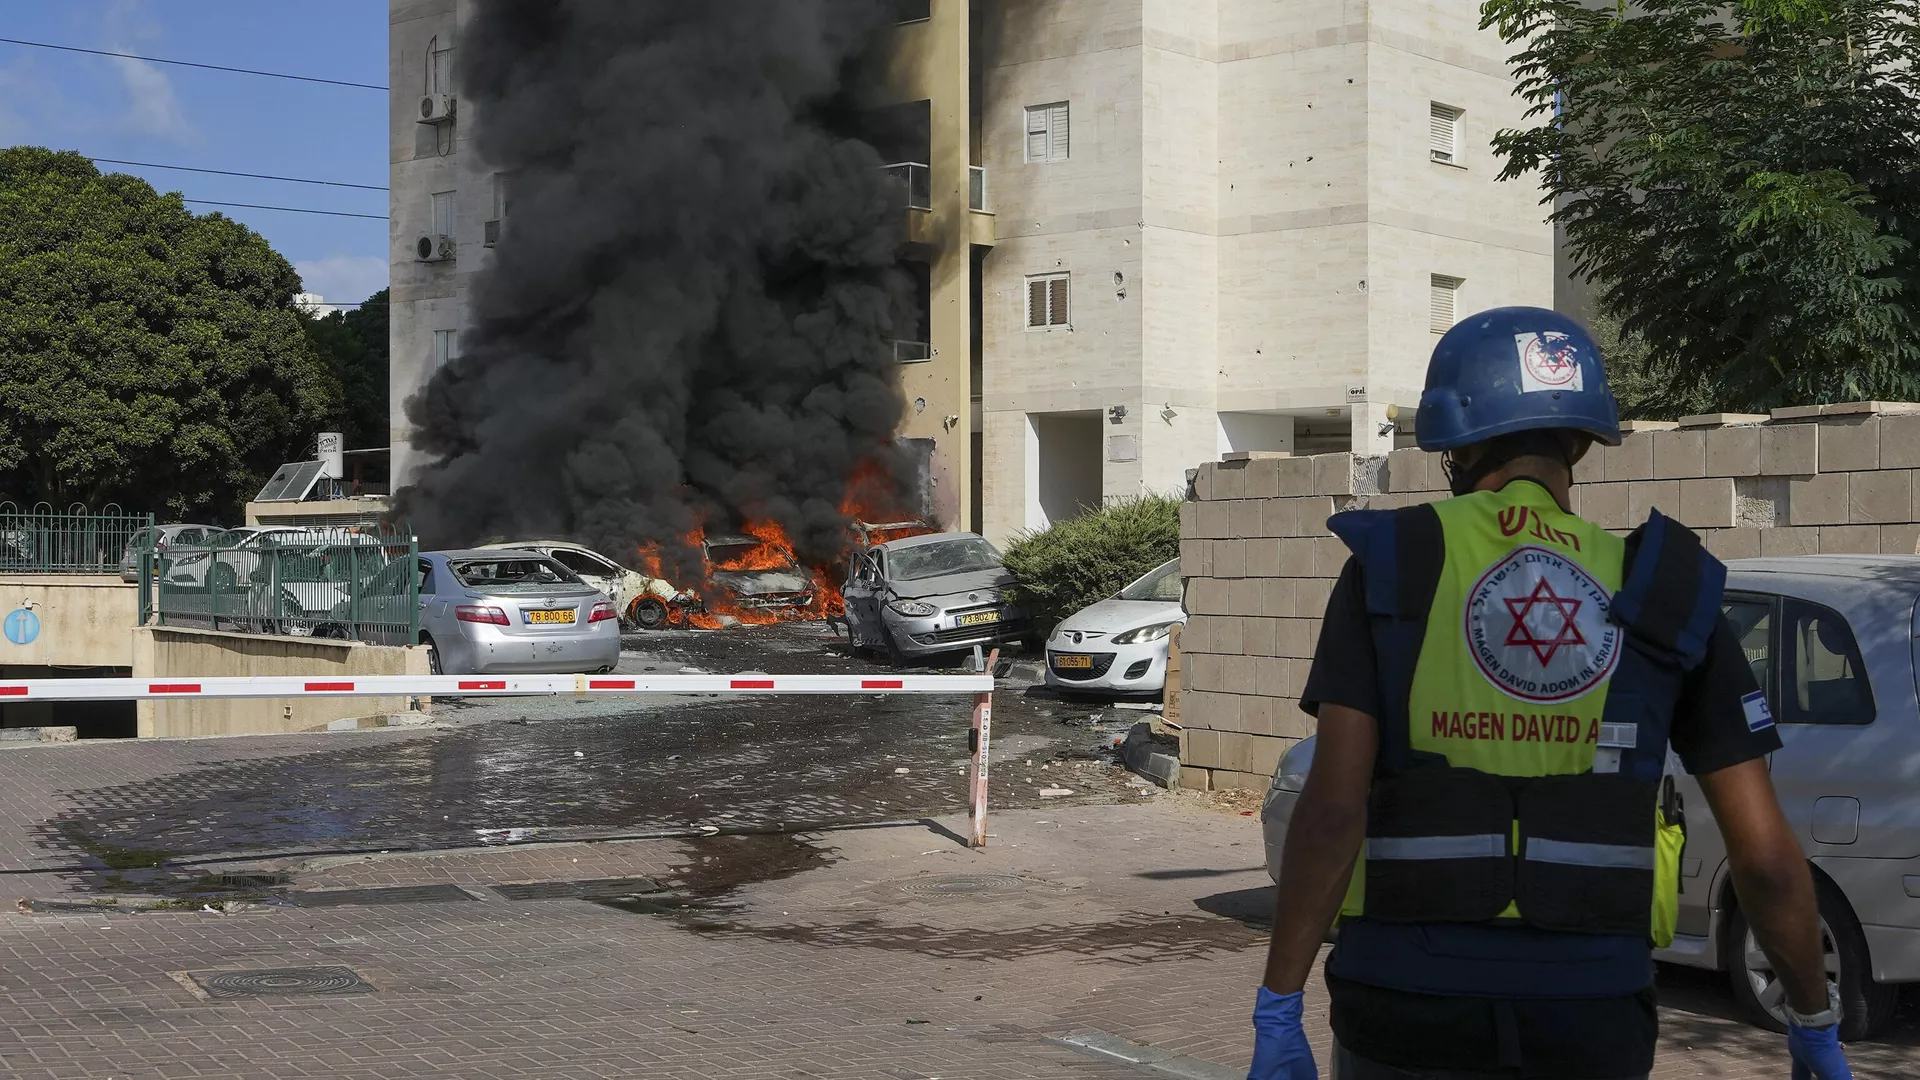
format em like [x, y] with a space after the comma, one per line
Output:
[1742, 182]
[148, 356]
[354, 345]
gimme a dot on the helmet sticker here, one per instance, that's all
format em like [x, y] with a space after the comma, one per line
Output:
[1537, 627]
[1548, 361]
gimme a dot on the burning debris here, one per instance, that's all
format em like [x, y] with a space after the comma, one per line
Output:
[685, 330]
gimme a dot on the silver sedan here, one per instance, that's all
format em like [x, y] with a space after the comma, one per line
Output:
[513, 612]
[1832, 640]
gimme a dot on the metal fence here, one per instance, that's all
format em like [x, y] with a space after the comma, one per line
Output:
[42, 540]
[353, 584]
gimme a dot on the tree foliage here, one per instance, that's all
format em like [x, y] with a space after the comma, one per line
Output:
[1061, 569]
[354, 345]
[1740, 180]
[148, 356]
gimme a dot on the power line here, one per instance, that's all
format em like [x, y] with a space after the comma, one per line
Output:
[191, 64]
[284, 209]
[224, 172]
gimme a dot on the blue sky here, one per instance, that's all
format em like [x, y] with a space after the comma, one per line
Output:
[106, 107]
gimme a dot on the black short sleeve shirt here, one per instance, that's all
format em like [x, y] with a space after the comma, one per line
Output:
[1709, 730]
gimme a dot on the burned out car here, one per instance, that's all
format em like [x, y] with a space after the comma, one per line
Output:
[748, 572]
[930, 594]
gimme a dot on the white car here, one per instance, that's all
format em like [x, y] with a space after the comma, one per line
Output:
[641, 600]
[230, 557]
[1119, 645]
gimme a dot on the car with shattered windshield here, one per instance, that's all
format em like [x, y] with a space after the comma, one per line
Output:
[513, 612]
[755, 574]
[924, 595]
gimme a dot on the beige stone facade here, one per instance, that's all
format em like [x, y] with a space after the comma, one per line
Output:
[1259, 562]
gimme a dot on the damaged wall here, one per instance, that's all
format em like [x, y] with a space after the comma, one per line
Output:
[1259, 562]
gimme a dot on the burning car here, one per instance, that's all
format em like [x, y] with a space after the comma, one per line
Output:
[754, 573]
[642, 600]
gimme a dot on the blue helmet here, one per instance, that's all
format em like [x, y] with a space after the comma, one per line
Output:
[1515, 369]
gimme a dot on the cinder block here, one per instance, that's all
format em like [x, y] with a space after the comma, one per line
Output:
[1878, 498]
[1190, 519]
[1850, 540]
[1294, 638]
[1202, 748]
[1733, 451]
[1707, 504]
[1790, 449]
[1256, 715]
[1296, 557]
[1591, 468]
[1330, 553]
[1236, 674]
[1256, 635]
[1290, 723]
[1309, 516]
[1277, 597]
[1263, 558]
[1296, 475]
[1679, 455]
[1407, 470]
[1631, 460]
[1310, 598]
[1229, 558]
[1850, 445]
[1215, 521]
[1243, 519]
[1227, 635]
[1195, 558]
[1207, 596]
[1789, 542]
[1202, 483]
[1643, 497]
[1272, 676]
[1728, 544]
[1332, 474]
[1242, 598]
[1229, 479]
[1261, 755]
[1900, 539]
[1819, 499]
[1900, 442]
[1231, 780]
[1197, 636]
[1203, 674]
[1263, 478]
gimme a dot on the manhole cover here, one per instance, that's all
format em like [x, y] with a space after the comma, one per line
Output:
[956, 884]
[281, 982]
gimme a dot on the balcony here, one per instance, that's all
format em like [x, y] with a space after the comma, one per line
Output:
[916, 183]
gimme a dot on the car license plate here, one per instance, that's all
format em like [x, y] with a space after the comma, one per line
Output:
[978, 618]
[551, 617]
[1072, 660]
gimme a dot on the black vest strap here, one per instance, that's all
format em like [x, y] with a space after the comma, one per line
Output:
[1401, 554]
[1671, 599]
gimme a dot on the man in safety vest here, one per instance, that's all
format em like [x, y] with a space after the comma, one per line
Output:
[1497, 684]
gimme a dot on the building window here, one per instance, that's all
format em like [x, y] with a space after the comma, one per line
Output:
[1047, 135]
[439, 68]
[1440, 307]
[1047, 302]
[501, 200]
[1444, 127]
[443, 213]
[446, 347]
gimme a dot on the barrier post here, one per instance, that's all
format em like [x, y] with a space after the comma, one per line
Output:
[981, 736]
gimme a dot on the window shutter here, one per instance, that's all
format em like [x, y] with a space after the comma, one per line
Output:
[1444, 130]
[1440, 308]
[1037, 133]
[1036, 302]
[1058, 122]
[1057, 302]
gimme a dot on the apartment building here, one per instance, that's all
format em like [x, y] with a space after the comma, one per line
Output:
[1151, 232]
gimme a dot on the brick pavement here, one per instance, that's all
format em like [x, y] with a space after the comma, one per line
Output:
[870, 962]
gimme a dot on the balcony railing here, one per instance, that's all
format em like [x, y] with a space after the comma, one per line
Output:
[916, 183]
[977, 187]
[912, 352]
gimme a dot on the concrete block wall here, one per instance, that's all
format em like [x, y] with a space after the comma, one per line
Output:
[1259, 562]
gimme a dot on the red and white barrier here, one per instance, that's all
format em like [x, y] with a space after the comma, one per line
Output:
[255, 686]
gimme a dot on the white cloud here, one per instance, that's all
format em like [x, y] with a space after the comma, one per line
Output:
[343, 279]
[153, 109]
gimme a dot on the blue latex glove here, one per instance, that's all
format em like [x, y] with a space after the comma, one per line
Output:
[1280, 1042]
[1817, 1054]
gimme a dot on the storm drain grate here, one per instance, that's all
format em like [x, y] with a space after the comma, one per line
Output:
[401, 894]
[280, 982]
[597, 889]
[960, 884]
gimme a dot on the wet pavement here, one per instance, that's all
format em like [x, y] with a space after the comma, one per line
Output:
[523, 769]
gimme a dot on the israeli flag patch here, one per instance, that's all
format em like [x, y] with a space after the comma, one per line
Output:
[1759, 717]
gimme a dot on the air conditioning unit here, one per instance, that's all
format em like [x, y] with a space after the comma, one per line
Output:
[436, 109]
[433, 248]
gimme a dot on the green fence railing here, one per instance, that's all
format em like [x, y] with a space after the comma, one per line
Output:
[353, 584]
[42, 540]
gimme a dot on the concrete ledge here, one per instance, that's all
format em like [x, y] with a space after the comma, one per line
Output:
[171, 652]
[29, 735]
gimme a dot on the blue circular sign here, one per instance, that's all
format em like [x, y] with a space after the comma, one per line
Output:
[22, 626]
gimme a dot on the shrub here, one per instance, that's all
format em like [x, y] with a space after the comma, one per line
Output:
[1063, 568]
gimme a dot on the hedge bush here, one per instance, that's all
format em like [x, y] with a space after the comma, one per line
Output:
[1063, 568]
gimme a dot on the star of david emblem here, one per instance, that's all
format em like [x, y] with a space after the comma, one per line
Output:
[1522, 633]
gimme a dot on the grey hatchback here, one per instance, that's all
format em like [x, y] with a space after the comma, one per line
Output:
[1834, 641]
[929, 594]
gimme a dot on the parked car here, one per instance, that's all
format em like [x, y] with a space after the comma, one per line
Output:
[924, 595]
[229, 556]
[1833, 641]
[321, 584]
[1119, 645]
[160, 539]
[499, 611]
[641, 600]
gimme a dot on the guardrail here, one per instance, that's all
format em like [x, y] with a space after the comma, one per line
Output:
[349, 584]
[42, 540]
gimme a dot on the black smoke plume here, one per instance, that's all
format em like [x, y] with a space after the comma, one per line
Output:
[688, 318]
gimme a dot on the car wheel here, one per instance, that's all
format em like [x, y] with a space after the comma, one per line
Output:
[1866, 1006]
[434, 666]
[649, 614]
[895, 655]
